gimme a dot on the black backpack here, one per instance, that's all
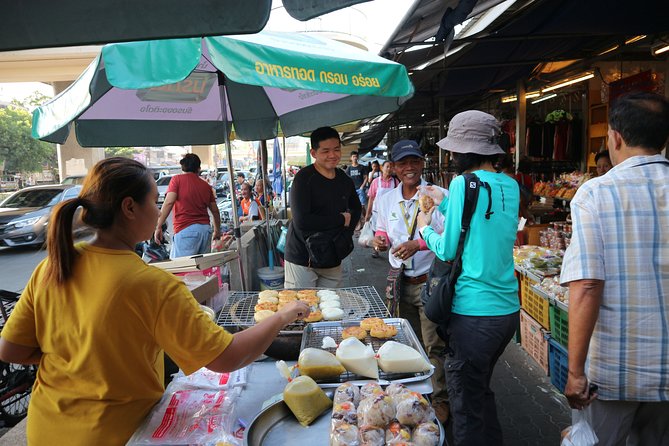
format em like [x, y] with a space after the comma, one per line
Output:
[437, 295]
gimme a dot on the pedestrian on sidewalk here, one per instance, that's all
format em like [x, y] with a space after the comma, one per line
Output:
[617, 270]
[485, 305]
[192, 199]
[325, 210]
[380, 185]
[358, 173]
[98, 320]
[408, 255]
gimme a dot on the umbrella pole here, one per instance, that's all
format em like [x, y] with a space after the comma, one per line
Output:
[263, 169]
[285, 182]
[235, 217]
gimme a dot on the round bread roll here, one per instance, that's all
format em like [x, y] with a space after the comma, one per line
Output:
[330, 304]
[262, 315]
[328, 297]
[314, 316]
[306, 293]
[268, 299]
[368, 323]
[425, 202]
[287, 295]
[332, 314]
[268, 293]
[323, 293]
[354, 332]
[383, 331]
[265, 306]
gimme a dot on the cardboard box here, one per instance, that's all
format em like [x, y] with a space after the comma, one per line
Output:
[196, 263]
[532, 233]
[202, 290]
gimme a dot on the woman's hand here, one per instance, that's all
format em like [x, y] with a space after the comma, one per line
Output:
[433, 192]
[293, 311]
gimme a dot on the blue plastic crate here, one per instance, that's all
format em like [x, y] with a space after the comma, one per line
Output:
[557, 361]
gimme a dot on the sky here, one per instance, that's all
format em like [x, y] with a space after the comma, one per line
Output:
[372, 21]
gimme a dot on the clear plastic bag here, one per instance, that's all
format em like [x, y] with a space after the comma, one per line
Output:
[580, 432]
[366, 234]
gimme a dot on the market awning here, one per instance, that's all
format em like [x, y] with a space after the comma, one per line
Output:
[47, 24]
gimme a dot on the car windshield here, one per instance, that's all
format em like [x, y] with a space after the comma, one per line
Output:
[73, 180]
[164, 181]
[35, 198]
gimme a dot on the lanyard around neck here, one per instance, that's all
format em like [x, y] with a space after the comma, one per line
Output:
[409, 225]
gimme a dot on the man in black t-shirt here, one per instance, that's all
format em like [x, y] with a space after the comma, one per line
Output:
[358, 174]
[323, 200]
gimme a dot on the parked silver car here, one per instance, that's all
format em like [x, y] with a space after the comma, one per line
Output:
[24, 215]
[163, 183]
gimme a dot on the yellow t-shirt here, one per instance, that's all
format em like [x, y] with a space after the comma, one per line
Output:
[103, 334]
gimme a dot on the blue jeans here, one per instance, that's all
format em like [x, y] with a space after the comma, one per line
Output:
[362, 196]
[194, 239]
[477, 343]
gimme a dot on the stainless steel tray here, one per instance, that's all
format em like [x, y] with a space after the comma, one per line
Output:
[276, 425]
[315, 332]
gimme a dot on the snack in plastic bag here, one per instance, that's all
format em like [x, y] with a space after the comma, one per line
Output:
[397, 434]
[426, 434]
[305, 399]
[347, 392]
[345, 411]
[358, 358]
[581, 432]
[370, 389]
[372, 435]
[319, 364]
[376, 411]
[414, 410]
[343, 434]
[399, 358]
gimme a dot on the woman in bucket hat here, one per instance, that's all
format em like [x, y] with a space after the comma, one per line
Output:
[485, 305]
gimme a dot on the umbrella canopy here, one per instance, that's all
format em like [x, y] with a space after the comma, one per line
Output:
[189, 91]
[45, 23]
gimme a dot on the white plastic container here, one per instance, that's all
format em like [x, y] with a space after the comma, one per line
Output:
[271, 279]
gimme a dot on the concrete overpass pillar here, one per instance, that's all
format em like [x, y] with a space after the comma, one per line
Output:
[72, 158]
[206, 154]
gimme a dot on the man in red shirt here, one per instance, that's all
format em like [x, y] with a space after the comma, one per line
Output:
[191, 198]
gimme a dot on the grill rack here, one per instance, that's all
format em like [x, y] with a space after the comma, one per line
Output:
[239, 309]
[313, 337]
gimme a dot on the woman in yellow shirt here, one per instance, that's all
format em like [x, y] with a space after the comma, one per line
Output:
[97, 319]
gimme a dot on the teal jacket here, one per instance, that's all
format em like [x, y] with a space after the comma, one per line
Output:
[487, 285]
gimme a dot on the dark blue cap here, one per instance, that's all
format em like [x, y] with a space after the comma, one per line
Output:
[404, 148]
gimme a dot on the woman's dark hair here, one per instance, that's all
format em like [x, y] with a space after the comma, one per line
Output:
[376, 163]
[190, 163]
[602, 154]
[470, 161]
[321, 134]
[104, 188]
[642, 119]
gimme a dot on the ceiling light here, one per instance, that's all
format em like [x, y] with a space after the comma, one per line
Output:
[659, 49]
[532, 94]
[543, 98]
[507, 99]
[422, 115]
[634, 39]
[580, 78]
[613, 48]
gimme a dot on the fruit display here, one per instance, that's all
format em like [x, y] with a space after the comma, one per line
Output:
[551, 287]
[538, 260]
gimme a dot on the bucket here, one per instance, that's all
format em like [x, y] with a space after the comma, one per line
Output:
[271, 279]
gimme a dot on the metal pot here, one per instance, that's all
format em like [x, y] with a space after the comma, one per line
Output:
[285, 346]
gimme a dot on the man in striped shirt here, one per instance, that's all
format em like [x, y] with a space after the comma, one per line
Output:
[617, 268]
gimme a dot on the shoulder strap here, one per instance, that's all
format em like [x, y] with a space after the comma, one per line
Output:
[472, 184]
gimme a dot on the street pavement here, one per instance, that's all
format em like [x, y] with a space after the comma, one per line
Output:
[531, 411]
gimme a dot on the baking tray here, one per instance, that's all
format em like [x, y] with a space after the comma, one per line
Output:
[276, 425]
[357, 303]
[315, 332]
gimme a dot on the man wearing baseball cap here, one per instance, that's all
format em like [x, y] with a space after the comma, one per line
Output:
[485, 307]
[396, 213]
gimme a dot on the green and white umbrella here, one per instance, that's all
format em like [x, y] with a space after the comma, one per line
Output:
[194, 91]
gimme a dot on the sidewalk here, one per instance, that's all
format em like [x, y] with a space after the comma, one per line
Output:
[531, 411]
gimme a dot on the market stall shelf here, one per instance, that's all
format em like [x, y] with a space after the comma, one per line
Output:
[313, 337]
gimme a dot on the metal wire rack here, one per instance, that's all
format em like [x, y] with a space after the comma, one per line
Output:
[357, 302]
[314, 333]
